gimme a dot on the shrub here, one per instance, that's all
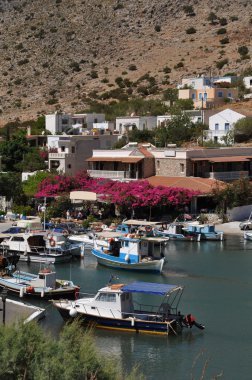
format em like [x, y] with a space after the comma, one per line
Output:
[221, 63]
[167, 70]
[23, 62]
[224, 41]
[243, 51]
[222, 31]
[93, 74]
[212, 17]
[75, 66]
[223, 21]
[179, 65]
[157, 28]
[191, 30]
[132, 67]
[234, 18]
[188, 9]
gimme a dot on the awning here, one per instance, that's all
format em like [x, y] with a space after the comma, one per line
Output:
[135, 222]
[223, 159]
[83, 195]
[127, 160]
[150, 288]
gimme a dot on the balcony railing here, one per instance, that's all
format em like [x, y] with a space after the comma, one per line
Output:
[109, 174]
[54, 156]
[228, 176]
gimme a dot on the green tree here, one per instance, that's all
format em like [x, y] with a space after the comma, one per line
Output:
[171, 94]
[27, 353]
[11, 186]
[176, 131]
[243, 130]
[13, 151]
[31, 162]
[30, 187]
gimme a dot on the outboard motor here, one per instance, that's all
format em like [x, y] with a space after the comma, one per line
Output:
[190, 321]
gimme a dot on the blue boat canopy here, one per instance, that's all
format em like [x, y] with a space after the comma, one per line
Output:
[150, 288]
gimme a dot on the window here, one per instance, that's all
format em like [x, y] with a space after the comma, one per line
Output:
[182, 168]
[106, 297]
[69, 166]
[216, 126]
[229, 95]
[250, 82]
[227, 126]
[220, 94]
[64, 121]
[193, 96]
[17, 238]
[205, 96]
[73, 149]
[63, 149]
[200, 96]
[158, 164]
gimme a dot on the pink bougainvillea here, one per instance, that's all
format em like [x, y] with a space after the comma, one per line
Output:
[132, 194]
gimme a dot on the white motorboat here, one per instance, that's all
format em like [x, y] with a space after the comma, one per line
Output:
[39, 247]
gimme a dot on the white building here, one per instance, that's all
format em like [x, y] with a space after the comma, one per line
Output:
[221, 123]
[248, 82]
[70, 152]
[205, 81]
[59, 122]
[127, 123]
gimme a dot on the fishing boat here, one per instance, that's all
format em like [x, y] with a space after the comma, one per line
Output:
[176, 231]
[44, 284]
[205, 231]
[114, 307]
[133, 253]
[39, 247]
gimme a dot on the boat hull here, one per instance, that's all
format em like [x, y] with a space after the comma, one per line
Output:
[43, 258]
[126, 325]
[117, 263]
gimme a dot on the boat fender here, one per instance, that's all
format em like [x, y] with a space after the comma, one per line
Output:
[127, 258]
[148, 229]
[52, 242]
[21, 292]
[73, 312]
[132, 321]
[42, 293]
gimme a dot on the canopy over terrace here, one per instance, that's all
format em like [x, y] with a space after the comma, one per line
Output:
[224, 168]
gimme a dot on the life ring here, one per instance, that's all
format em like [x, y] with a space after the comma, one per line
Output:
[148, 229]
[52, 242]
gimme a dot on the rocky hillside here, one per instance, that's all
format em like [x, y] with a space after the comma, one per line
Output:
[57, 54]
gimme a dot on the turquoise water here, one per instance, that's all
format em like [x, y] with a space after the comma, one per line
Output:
[218, 292]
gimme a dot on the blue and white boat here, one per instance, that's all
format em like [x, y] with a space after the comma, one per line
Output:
[114, 308]
[44, 284]
[206, 231]
[176, 231]
[132, 252]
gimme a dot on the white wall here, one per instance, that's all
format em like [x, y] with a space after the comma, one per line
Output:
[248, 82]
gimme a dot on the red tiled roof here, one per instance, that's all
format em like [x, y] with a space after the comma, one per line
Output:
[222, 159]
[145, 151]
[204, 185]
[127, 160]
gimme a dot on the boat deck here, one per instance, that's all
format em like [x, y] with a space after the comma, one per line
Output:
[16, 311]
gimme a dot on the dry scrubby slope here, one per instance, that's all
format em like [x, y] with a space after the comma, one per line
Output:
[51, 49]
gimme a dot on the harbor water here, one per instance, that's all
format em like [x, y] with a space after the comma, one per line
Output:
[218, 292]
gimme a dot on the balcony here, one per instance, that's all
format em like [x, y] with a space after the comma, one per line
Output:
[111, 174]
[228, 176]
[57, 156]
